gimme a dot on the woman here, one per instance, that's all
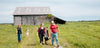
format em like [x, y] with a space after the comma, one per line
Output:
[41, 33]
[19, 33]
[54, 29]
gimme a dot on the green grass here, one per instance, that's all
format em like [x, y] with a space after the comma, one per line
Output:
[72, 35]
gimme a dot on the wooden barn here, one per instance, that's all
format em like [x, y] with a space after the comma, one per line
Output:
[31, 15]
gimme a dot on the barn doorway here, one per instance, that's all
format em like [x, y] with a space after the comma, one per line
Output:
[59, 21]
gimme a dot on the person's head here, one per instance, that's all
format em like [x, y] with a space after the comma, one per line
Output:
[52, 22]
[46, 28]
[42, 24]
[27, 29]
[19, 26]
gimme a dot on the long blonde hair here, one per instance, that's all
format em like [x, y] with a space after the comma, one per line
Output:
[19, 26]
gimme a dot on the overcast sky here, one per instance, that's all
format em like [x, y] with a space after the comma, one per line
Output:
[70, 10]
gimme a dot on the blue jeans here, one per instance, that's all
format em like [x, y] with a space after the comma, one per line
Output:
[54, 35]
[19, 37]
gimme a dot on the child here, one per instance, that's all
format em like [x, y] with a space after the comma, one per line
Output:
[46, 35]
[27, 32]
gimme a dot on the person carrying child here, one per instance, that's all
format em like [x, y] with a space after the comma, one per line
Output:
[46, 35]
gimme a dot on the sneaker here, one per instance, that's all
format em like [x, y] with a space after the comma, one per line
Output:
[46, 43]
[42, 43]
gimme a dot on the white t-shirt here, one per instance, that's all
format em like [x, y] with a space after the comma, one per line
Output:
[27, 32]
[41, 27]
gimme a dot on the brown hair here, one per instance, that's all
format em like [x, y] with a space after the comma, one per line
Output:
[42, 24]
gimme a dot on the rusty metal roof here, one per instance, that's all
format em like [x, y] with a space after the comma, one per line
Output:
[31, 10]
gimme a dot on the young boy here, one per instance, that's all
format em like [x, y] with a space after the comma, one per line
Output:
[46, 35]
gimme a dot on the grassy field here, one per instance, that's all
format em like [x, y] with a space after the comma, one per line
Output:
[72, 35]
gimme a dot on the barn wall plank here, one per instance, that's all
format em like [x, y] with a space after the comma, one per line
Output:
[17, 20]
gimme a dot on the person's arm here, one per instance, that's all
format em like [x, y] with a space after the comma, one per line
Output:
[37, 33]
[43, 31]
[58, 30]
[50, 31]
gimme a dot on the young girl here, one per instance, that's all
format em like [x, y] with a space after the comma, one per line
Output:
[27, 32]
[46, 35]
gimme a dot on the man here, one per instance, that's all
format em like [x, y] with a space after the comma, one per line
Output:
[54, 29]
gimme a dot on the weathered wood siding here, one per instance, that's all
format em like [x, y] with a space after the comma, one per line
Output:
[30, 20]
[27, 20]
[24, 21]
[17, 20]
[40, 19]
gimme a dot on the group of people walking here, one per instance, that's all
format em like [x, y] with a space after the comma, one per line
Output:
[43, 32]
